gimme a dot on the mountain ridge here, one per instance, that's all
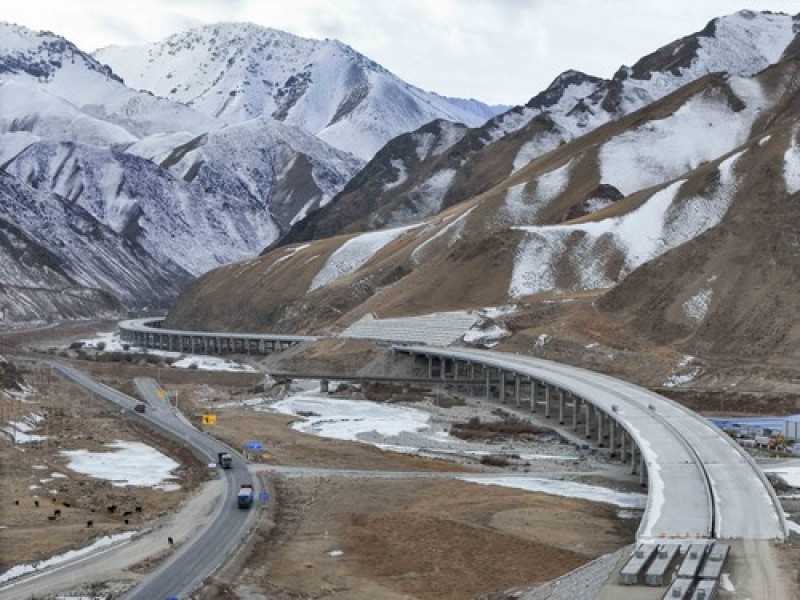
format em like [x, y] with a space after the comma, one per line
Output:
[238, 71]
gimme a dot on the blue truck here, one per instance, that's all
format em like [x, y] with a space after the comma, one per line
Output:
[245, 496]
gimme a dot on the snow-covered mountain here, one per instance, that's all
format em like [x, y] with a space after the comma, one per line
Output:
[239, 71]
[59, 68]
[408, 182]
[187, 190]
[58, 261]
[668, 226]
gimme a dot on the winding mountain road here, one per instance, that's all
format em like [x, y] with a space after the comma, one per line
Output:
[215, 540]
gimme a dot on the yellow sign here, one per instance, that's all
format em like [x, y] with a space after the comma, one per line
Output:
[160, 393]
[209, 419]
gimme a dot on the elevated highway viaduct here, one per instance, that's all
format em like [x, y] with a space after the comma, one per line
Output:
[701, 484]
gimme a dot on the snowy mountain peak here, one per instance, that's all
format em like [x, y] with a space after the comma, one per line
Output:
[743, 43]
[41, 54]
[556, 90]
[239, 71]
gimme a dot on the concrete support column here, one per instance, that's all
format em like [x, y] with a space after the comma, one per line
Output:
[612, 429]
[488, 383]
[561, 402]
[588, 421]
[442, 367]
[547, 400]
[623, 436]
[472, 370]
[323, 386]
[502, 386]
[516, 389]
[533, 395]
[634, 459]
[642, 471]
[600, 418]
[575, 406]
[430, 367]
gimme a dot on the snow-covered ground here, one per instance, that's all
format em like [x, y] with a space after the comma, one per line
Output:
[570, 489]
[663, 222]
[19, 431]
[110, 342]
[354, 253]
[24, 569]
[130, 463]
[416, 431]
[789, 474]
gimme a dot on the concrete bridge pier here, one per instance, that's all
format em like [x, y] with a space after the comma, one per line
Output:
[587, 422]
[575, 408]
[600, 437]
[517, 389]
[547, 394]
[612, 445]
[532, 383]
[561, 405]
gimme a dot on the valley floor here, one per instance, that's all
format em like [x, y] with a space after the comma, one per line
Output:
[324, 534]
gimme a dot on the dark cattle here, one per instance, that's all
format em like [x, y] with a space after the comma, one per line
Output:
[54, 499]
[16, 502]
[127, 513]
[57, 512]
[67, 504]
[170, 541]
[138, 509]
[112, 508]
[126, 521]
[36, 503]
[89, 523]
[51, 518]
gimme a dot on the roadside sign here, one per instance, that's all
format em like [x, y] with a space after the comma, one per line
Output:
[209, 419]
[255, 445]
[160, 392]
[264, 496]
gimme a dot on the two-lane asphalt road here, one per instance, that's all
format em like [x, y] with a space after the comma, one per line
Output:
[212, 545]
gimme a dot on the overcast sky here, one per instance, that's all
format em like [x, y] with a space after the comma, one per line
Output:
[498, 51]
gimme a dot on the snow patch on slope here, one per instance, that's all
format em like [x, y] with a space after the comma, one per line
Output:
[354, 253]
[452, 230]
[791, 167]
[534, 148]
[658, 225]
[699, 131]
[521, 206]
[696, 307]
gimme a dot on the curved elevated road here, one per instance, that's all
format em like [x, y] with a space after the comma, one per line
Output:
[214, 544]
[701, 483]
